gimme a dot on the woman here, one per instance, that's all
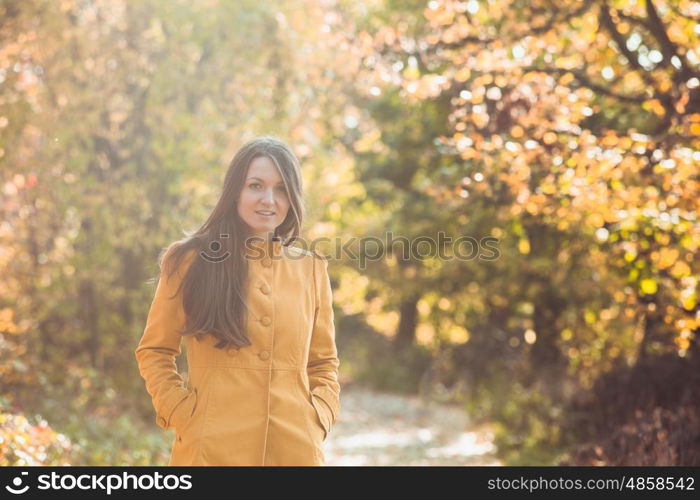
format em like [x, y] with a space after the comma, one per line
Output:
[258, 324]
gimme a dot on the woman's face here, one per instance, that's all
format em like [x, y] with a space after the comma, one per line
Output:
[263, 203]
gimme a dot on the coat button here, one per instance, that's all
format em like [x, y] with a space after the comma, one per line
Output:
[265, 288]
[265, 320]
[267, 262]
[263, 355]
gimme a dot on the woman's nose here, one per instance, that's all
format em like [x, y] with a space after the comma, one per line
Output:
[268, 196]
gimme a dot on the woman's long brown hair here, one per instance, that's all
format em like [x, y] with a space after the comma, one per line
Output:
[214, 292]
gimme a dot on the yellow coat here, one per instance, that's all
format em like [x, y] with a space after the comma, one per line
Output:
[271, 403]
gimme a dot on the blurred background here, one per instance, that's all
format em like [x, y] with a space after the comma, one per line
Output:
[569, 131]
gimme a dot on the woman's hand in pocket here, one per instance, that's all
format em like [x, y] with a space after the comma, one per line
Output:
[184, 411]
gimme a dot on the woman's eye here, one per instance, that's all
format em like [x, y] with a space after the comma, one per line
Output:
[257, 185]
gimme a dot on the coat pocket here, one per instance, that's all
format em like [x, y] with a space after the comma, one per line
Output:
[320, 415]
[184, 412]
[315, 431]
[316, 428]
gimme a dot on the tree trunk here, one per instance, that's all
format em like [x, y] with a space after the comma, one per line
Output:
[408, 321]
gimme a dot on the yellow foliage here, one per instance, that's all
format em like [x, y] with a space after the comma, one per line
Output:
[648, 286]
[524, 246]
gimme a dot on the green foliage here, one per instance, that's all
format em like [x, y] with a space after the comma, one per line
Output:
[31, 441]
[371, 359]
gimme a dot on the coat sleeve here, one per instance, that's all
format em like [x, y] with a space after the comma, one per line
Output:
[160, 345]
[323, 364]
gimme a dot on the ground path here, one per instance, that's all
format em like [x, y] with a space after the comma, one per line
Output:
[378, 428]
